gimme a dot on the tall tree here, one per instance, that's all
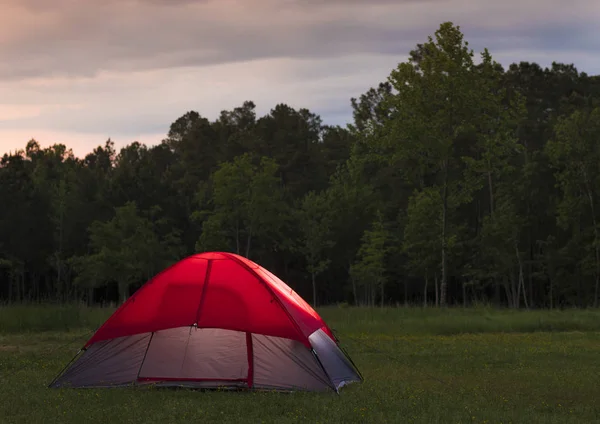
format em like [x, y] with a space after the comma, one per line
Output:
[248, 207]
[369, 269]
[484, 180]
[575, 153]
[421, 242]
[125, 251]
[314, 218]
[352, 202]
[435, 105]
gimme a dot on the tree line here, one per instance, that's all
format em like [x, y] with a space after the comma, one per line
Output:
[458, 182]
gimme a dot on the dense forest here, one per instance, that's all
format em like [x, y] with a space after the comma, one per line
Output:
[458, 182]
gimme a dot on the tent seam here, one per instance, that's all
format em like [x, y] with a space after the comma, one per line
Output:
[131, 299]
[250, 357]
[144, 358]
[324, 370]
[203, 293]
[270, 290]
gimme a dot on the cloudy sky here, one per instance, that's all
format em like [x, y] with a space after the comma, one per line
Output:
[80, 71]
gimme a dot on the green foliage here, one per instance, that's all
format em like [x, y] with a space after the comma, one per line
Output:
[126, 250]
[421, 241]
[369, 270]
[481, 180]
[248, 206]
[442, 100]
[574, 154]
[315, 222]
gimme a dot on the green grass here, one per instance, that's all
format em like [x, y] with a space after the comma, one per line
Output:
[421, 366]
[36, 318]
[390, 321]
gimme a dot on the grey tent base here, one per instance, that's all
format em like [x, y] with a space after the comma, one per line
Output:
[211, 358]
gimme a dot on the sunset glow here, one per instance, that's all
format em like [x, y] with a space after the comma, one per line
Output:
[80, 72]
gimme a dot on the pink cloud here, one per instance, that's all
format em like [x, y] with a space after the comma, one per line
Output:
[80, 143]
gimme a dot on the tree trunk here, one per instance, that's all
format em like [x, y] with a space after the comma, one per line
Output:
[551, 294]
[373, 294]
[248, 241]
[444, 286]
[521, 277]
[437, 291]
[353, 282]
[286, 269]
[530, 244]
[509, 291]
[596, 237]
[314, 289]
[90, 296]
[490, 187]
[580, 294]
[532, 293]
[425, 291]
[11, 283]
[34, 282]
[597, 258]
[596, 291]
[23, 282]
[123, 289]
[17, 285]
[597, 252]
[237, 237]
[516, 288]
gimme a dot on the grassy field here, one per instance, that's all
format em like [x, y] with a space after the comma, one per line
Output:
[420, 366]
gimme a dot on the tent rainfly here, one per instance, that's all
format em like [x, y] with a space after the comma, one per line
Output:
[213, 320]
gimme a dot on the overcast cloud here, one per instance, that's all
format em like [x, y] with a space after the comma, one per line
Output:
[80, 71]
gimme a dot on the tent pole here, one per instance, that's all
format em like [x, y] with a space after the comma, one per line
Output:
[250, 355]
[144, 358]
[352, 362]
[203, 292]
[325, 371]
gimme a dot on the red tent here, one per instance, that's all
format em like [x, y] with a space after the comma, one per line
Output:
[213, 320]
